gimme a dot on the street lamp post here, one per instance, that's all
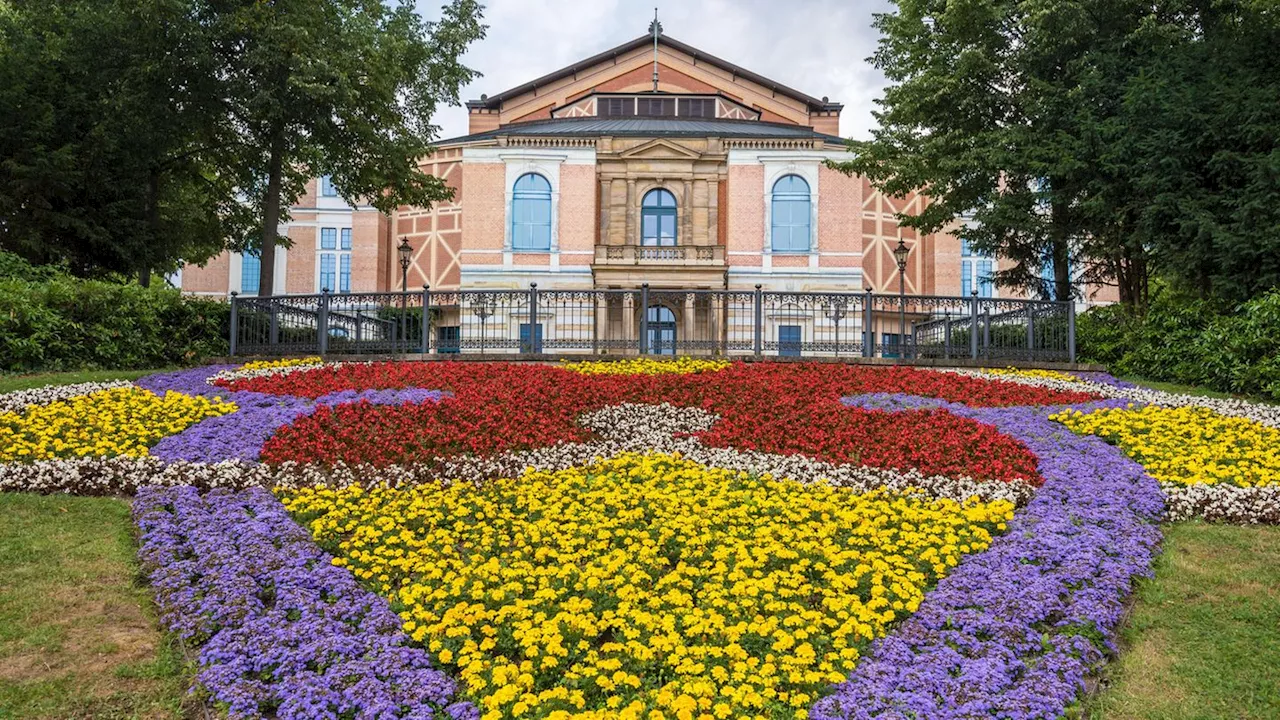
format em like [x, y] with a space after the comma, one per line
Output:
[900, 254]
[406, 258]
[835, 311]
[482, 310]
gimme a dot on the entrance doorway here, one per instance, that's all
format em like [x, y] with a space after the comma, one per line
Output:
[662, 330]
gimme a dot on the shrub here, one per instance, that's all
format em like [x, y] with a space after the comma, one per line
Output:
[65, 323]
[1191, 341]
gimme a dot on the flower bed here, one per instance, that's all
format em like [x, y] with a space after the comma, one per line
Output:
[647, 582]
[281, 632]
[106, 423]
[654, 491]
[1014, 631]
[1187, 445]
[776, 409]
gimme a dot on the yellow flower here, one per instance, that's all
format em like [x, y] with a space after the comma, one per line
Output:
[646, 585]
[107, 423]
[1187, 445]
[287, 362]
[647, 366]
[1041, 374]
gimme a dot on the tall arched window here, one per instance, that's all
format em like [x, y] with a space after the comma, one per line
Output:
[790, 213]
[531, 213]
[658, 218]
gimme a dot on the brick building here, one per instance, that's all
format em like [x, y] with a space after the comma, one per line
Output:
[647, 163]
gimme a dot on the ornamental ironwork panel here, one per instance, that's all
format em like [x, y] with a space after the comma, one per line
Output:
[649, 320]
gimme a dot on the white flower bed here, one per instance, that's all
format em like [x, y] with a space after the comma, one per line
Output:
[19, 400]
[1223, 503]
[1258, 412]
[247, 374]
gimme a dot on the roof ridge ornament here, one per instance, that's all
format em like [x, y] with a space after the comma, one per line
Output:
[655, 29]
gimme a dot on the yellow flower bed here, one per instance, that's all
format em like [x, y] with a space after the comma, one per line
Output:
[119, 421]
[1041, 374]
[1187, 445]
[646, 586]
[288, 362]
[647, 366]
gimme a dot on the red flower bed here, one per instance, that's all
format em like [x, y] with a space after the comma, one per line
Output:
[784, 408]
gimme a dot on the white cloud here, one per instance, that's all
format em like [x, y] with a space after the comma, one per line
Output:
[819, 47]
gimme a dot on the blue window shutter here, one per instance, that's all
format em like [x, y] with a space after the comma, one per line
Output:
[531, 213]
[790, 215]
[250, 273]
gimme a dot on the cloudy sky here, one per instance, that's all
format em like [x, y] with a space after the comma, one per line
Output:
[819, 47]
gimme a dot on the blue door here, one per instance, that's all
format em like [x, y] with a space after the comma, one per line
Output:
[448, 339]
[525, 346]
[789, 340]
[892, 345]
[662, 330]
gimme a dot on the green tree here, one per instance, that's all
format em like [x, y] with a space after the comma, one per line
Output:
[345, 88]
[982, 117]
[1113, 140]
[1195, 146]
[112, 135]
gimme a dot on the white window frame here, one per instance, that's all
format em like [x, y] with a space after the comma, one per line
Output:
[338, 254]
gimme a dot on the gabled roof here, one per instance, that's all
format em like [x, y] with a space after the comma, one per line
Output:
[495, 101]
[649, 127]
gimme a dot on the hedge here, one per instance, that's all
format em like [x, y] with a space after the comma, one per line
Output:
[65, 323]
[1234, 349]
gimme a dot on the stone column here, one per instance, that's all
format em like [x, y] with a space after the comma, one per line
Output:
[629, 236]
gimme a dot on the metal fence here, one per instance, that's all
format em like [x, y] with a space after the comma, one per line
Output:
[654, 321]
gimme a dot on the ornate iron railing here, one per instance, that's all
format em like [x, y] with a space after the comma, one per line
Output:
[651, 320]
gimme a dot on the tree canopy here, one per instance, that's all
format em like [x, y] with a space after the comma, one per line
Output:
[1105, 139]
[136, 134]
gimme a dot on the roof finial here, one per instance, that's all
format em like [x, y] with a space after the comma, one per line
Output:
[655, 29]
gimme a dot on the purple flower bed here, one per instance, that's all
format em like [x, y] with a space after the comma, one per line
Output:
[1103, 379]
[192, 381]
[240, 435]
[280, 631]
[1014, 630]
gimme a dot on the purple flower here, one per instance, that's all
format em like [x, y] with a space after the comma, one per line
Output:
[281, 632]
[192, 381]
[1013, 631]
[1103, 378]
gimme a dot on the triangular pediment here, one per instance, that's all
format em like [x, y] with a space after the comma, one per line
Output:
[660, 148]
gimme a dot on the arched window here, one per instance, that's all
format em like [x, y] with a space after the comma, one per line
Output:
[658, 218]
[790, 214]
[531, 213]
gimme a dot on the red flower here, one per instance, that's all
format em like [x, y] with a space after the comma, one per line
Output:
[781, 408]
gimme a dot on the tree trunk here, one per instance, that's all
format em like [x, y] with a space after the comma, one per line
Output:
[153, 223]
[1059, 253]
[271, 216]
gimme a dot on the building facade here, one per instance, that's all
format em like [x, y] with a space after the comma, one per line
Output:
[650, 163]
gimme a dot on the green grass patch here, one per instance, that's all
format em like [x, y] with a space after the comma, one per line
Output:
[1203, 641]
[10, 383]
[78, 633]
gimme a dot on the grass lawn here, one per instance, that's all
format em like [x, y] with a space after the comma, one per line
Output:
[1204, 637]
[78, 633]
[9, 383]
